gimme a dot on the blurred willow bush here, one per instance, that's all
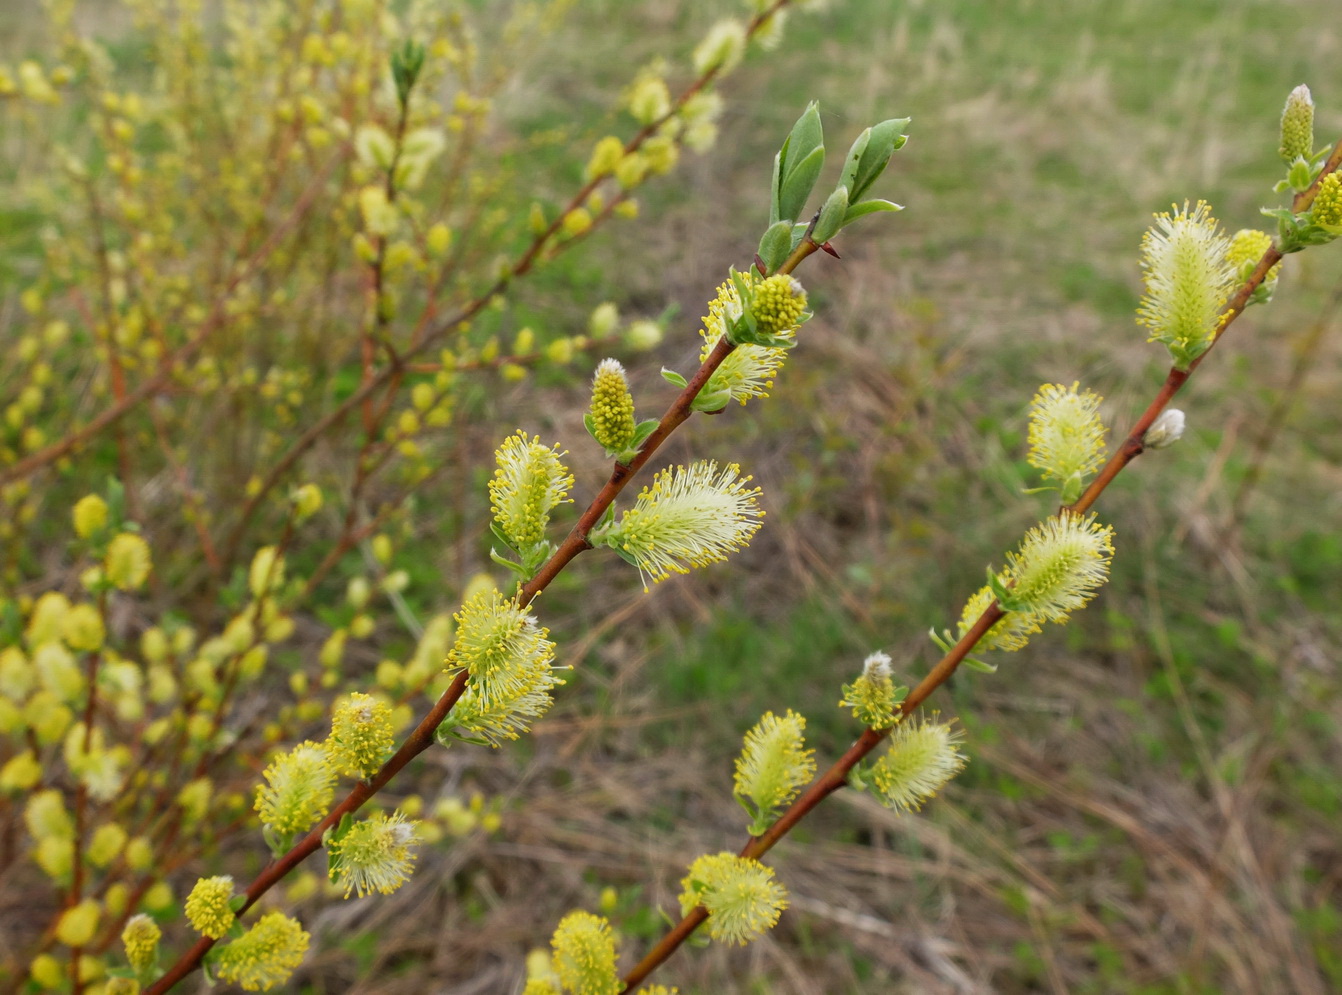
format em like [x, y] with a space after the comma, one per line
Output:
[279, 250]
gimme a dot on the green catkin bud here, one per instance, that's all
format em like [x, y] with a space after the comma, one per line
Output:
[529, 483]
[1165, 431]
[1327, 209]
[779, 304]
[17, 677]
[128, 561]
[1246, 248]
[44, 621]
[774, 764]
[78, 924]
[1066, 437]
[22, 772]
[649, 99]
[46, 816]
[921, 758]
[265, 955]
[688, 517]
[47, 971]
[1060, 565]
[266, 573]
[121, 986]
[721, 49]
[509, 660]
[90, 515]
[207, 907]
[361, 735]
[873, 697]
[1297, 125]
[307, 501]
[106, 843]
[606, 155]
[82, 628]
[508, 714]
[603, 320]
[1188, 279]
[577, 222]
[741, 896]
[749, 370]
[612, 409]
[298, 790]
[584, 955]
[770, 32]
[376, 854]
[643, 334]
[1008, 634]
[140, 938]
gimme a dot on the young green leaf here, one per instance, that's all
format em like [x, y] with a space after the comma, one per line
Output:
[885, 139]
[776, 245]
[831, 216]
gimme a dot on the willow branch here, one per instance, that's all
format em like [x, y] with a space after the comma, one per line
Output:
[837, 775]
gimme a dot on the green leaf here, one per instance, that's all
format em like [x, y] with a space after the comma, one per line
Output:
[806, 136]
[624, 555]
[641, 432]
[1005, 599]
[943, 639]
[831, 216]
[503, 561]
[975, 664]
[775, 185]
[535, 556]
[589, 423]
[671, 376]
[406, 64]
[885, 139]
[797, 166]
[776, 244]
[798, 184]
[502, 537]
[116, 502]
[1299, 175]
[710, 402]
[856, 211]
[850, 165]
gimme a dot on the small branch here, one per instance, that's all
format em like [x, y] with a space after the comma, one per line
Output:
[821, 788]
[837, 775]
[418, 741]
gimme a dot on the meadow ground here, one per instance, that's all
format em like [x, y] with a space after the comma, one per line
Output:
[1154, 793]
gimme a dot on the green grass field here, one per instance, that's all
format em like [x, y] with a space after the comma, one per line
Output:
[1154, 793]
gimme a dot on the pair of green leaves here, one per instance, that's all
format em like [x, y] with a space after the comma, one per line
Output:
[1300, 231]
[528, 560]
[626, 455]
[797, 168]
[407, 62]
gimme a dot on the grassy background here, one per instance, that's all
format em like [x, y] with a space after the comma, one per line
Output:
[1153, 799]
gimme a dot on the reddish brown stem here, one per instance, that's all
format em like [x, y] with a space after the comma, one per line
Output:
[418, 741]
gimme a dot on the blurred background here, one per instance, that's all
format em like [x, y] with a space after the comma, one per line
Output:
[1154, 792]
